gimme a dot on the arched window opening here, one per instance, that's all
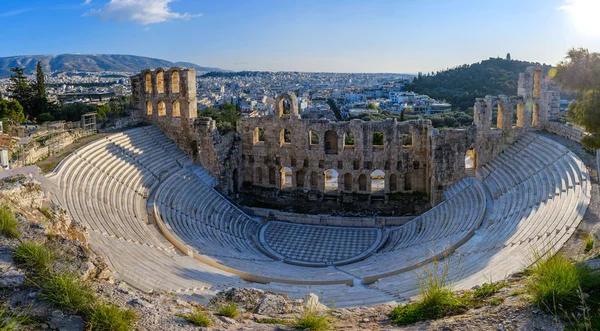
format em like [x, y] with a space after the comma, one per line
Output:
[331, 180]
[300, 178]
[500, 117]
[378, 140]
[520, 115]
[175, 82]
[314, 180]
[272, 179]
[348, 182]
[470, 162]
[313, 138]
[408, 182]
[362, 182]
[331, 142]
[176, 110]
[148, 83]
[408, 140]
[286, 178]
[258, 136]
[259, 175]
[285, 137]
[393, 183]
[162, 108]
[537, 81]
[535, 119]
[285, 107]
[348, 140]
[149, 108]
[194, 147]
[160, 82]
[378, 182]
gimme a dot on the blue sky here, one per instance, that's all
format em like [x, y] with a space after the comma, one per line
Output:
[307, 35]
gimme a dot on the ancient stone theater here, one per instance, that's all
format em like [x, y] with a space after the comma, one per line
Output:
[174, 205]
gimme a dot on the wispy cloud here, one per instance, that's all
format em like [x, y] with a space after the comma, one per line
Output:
[14, 12]
[139, 11]
[87, 2]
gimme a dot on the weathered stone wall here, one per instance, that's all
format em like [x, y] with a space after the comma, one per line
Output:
[566, 130]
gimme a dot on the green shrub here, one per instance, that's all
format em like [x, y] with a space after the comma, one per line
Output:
[487, 290]
[47, 213]
[66, 290]
[589, 243]
[312, 319]
[272, 321]
[198, 318]
[437, 299]
[105, 317]
[228, 309]
[8, 223]
[33, 256]
[555, 284]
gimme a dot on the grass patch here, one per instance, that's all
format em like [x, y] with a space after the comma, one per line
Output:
[66, 290]
[228, 309]
[437, 299]
[487, 290]
[272, 321]
[8, 223]
[46, 212]
[589, 243]
[12, 322]
[556, 285]
[103, 316]
[34, 257]
[312, 319]
[197, 317]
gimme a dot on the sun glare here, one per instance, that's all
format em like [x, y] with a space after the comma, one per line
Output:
[584, 14]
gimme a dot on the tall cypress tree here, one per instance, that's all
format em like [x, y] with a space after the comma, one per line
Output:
[40, 82]
[20, 89]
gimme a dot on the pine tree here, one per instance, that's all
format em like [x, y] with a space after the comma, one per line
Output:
[40, 83]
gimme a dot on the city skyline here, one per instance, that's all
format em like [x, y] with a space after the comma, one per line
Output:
[349, 36]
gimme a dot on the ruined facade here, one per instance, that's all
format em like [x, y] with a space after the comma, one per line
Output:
[346, 162]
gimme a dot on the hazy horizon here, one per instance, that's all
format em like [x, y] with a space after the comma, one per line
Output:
[335, 36]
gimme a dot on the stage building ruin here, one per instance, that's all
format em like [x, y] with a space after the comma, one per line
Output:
[386, 164]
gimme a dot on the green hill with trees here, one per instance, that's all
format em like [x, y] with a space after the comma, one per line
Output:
[461, 85]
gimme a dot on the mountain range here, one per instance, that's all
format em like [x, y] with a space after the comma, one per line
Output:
[90, 62]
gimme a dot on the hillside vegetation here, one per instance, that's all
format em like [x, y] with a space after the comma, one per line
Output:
[461, 85]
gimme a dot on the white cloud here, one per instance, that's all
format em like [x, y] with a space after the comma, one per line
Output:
[86, 2]
[13, 12]
[139, 11]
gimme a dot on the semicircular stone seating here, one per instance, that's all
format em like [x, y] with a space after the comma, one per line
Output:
[527, 201]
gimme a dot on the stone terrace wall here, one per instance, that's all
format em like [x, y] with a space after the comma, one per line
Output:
[566, 130]
[327, 219]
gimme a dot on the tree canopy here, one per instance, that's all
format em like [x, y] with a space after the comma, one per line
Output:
[31, 95]
[226, 117]
[580, 72]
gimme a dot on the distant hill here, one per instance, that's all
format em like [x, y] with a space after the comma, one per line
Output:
[94, 62]
[461, 85]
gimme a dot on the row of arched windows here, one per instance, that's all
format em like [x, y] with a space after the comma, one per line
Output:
[160, 82]
[162, 108]
[332, 181]
[330, 141]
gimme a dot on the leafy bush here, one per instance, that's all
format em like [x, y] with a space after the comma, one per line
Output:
[228, 309]
[312, 319]
[8, 223]
[589, 243]
[437, 299]
[103, 316]
[44, 117]
[66, 290]
[33, 256]
[198, 318]
[487, 290]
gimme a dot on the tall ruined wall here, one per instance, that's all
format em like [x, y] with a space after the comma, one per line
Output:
[167, 99]
[514, 116]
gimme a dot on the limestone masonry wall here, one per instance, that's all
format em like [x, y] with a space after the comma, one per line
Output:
[351, 162]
